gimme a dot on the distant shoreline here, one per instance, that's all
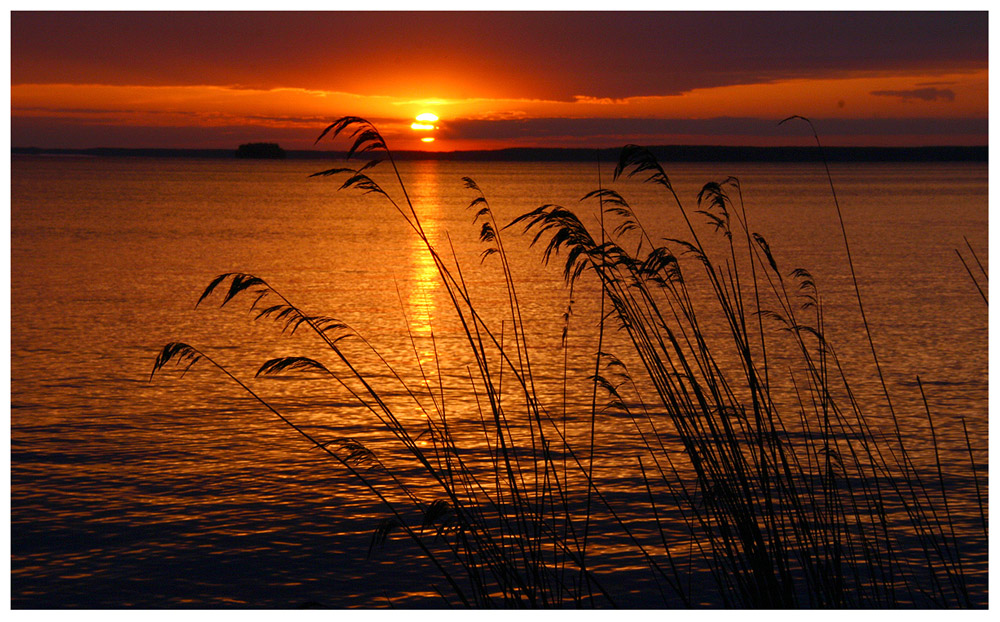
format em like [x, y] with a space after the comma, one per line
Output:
[676, 153]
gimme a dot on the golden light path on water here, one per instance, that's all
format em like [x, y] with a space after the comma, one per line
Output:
[423, 276]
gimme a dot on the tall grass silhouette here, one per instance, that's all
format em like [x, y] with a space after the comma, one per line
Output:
[755, 487]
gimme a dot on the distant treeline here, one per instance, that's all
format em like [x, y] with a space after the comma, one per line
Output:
[676, 153]
[260, 151]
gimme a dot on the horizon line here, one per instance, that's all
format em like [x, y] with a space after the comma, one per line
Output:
[678, 152]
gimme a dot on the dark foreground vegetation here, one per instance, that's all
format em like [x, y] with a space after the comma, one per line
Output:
[757, 487]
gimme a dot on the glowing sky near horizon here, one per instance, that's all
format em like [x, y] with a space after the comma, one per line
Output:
[498, 79]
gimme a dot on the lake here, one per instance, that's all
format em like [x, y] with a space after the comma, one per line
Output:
[185, 492]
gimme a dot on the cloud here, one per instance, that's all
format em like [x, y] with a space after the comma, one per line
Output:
[600, 101]
[77, 132]
[721, 126]
[508, 54]
[925, 94]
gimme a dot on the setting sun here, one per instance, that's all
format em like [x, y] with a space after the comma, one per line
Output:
[425, 123]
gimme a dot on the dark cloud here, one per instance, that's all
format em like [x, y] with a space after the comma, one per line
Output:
[74, 132]
[724, 126]
[925, 94]
[77, 133]
[555, 55]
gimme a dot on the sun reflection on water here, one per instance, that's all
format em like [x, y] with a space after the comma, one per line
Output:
[421, 306]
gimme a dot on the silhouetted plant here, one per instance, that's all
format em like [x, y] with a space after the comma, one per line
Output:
[781, 510]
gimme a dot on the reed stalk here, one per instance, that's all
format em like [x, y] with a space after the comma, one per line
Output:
[762, 491]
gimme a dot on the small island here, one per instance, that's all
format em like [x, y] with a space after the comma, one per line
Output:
[260, 151]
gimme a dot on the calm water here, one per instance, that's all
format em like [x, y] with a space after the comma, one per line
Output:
[183, 492]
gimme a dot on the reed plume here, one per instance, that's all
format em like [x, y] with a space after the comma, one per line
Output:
[764, 489]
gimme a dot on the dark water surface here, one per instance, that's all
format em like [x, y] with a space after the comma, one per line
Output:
[183, 492]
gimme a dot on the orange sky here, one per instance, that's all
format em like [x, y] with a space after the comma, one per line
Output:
[497, 80]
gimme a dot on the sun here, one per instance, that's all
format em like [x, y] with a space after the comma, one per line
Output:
[424, 122]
